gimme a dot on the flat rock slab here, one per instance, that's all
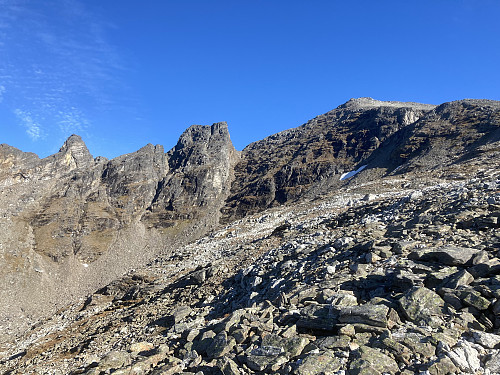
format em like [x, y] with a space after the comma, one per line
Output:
[318, 317]
[448, 255]
[375, 315]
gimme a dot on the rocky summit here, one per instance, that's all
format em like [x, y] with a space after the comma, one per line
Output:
[365, 241]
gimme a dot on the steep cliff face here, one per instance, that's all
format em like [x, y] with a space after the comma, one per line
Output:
[383, 137]
[201, 171]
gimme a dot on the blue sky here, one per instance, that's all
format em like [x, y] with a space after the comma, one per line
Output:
[126, 73]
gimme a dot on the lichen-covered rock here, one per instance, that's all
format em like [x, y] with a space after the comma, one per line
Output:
[374, 360]
[421, 305]
[319, 363]
[292, 347]
[473, 298]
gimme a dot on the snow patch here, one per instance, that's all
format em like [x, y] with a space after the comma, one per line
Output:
[347, 175]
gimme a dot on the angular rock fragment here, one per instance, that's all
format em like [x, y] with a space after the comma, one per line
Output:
[486, 340]
[318, 317]
[114, 360]
[465, 357]
[228, 366]
[220, 345]
[493, 363]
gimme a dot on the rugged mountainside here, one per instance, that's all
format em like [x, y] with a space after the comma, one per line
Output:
[286, 165]
[71, 223]
[310, 274]
[308, 160]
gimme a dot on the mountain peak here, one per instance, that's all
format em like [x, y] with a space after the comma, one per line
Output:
[366, 102]
[76, 152]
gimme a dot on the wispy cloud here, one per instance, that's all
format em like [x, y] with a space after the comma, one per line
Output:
[57, 65]
[72, 121]
[31, 126]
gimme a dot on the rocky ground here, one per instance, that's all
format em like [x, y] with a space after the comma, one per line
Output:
[397, 277]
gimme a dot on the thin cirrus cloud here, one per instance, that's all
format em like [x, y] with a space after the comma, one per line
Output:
[32, 127]
[57, 69]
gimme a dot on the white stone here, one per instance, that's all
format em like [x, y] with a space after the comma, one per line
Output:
[465, 357]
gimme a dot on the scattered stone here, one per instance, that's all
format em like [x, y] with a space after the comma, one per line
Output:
[142, 346]
[180, 313]
[114, 360]
[228, 366]
[220, 345]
